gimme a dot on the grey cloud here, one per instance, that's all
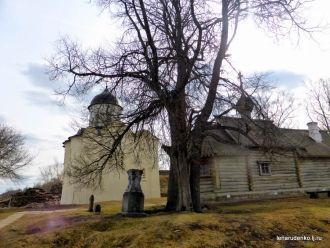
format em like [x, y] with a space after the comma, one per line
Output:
[33, 140]
[286, 78]
[40, 98]
[44, 100]
[7, 184]
[27, 180]
[36, 74]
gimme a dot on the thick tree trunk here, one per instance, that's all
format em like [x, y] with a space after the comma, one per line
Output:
[206, 111]
[179, 154]
[195, 161]
[179, 196]
[184, 202]
[172, 189]
[195, 186]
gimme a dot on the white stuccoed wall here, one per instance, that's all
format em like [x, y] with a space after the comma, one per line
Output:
[115, 182]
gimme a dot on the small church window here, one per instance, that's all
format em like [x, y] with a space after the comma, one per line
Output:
[264, 168]
[205, 170]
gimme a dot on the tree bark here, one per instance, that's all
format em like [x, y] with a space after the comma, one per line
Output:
[172, 189]
[179, 152]
[195, 186]
[195, 158]
[185, 200]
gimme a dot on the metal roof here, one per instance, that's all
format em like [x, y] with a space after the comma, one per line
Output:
[104, 98]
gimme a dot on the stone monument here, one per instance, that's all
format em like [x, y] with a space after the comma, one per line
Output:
[133, 198]
[91, 203]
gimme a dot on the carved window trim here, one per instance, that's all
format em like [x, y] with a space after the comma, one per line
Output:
[264, 168]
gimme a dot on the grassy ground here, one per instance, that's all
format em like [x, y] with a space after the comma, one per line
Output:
[4, 213]
[237, 225]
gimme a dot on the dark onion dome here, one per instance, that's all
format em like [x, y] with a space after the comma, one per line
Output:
[244, 104]
[104, 98]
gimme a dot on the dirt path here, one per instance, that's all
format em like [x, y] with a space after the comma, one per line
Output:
[14, 217]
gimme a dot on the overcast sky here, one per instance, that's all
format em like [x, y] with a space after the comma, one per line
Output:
[29, 30]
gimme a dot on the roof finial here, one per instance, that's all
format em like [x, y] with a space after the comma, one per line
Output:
[245, 104]
[240, 78]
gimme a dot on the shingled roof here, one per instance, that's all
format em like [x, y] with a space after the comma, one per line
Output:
[225, 139]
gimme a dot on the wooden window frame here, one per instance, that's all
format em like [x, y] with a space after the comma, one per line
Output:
[264, 168]
[205, 164]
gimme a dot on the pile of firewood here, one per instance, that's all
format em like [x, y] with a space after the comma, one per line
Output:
[31, 197]
[4, 203]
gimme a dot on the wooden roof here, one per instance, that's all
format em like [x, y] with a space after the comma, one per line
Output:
[225, 139]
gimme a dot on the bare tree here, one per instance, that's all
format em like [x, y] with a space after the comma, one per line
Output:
[318, 106]
[13, 154]
[52, 178]
[94, 159]
[276, 105]
[171, 69]
[53, 172]
[270, 103]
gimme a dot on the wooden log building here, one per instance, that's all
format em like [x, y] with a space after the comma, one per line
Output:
[252, 159]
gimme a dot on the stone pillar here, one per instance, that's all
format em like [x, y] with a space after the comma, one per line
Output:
[91, 203]
[133, 198]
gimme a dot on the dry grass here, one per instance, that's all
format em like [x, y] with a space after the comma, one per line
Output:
[5, 212]
[237, 225]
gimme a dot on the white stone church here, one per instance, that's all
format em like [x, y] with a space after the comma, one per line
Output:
[89, 148]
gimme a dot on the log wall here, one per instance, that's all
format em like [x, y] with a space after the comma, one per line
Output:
[283, 172]
[315, 172]
[235, 175]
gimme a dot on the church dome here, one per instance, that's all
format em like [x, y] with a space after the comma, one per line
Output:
[104, 98]
[245, 105]
[104, 109]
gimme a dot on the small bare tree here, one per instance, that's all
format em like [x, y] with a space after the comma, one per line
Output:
[52, 177]
[318, 105]
[277, 106]
[13, 154]
[53, 172]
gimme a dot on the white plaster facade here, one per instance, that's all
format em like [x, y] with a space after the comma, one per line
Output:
[81, 148]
